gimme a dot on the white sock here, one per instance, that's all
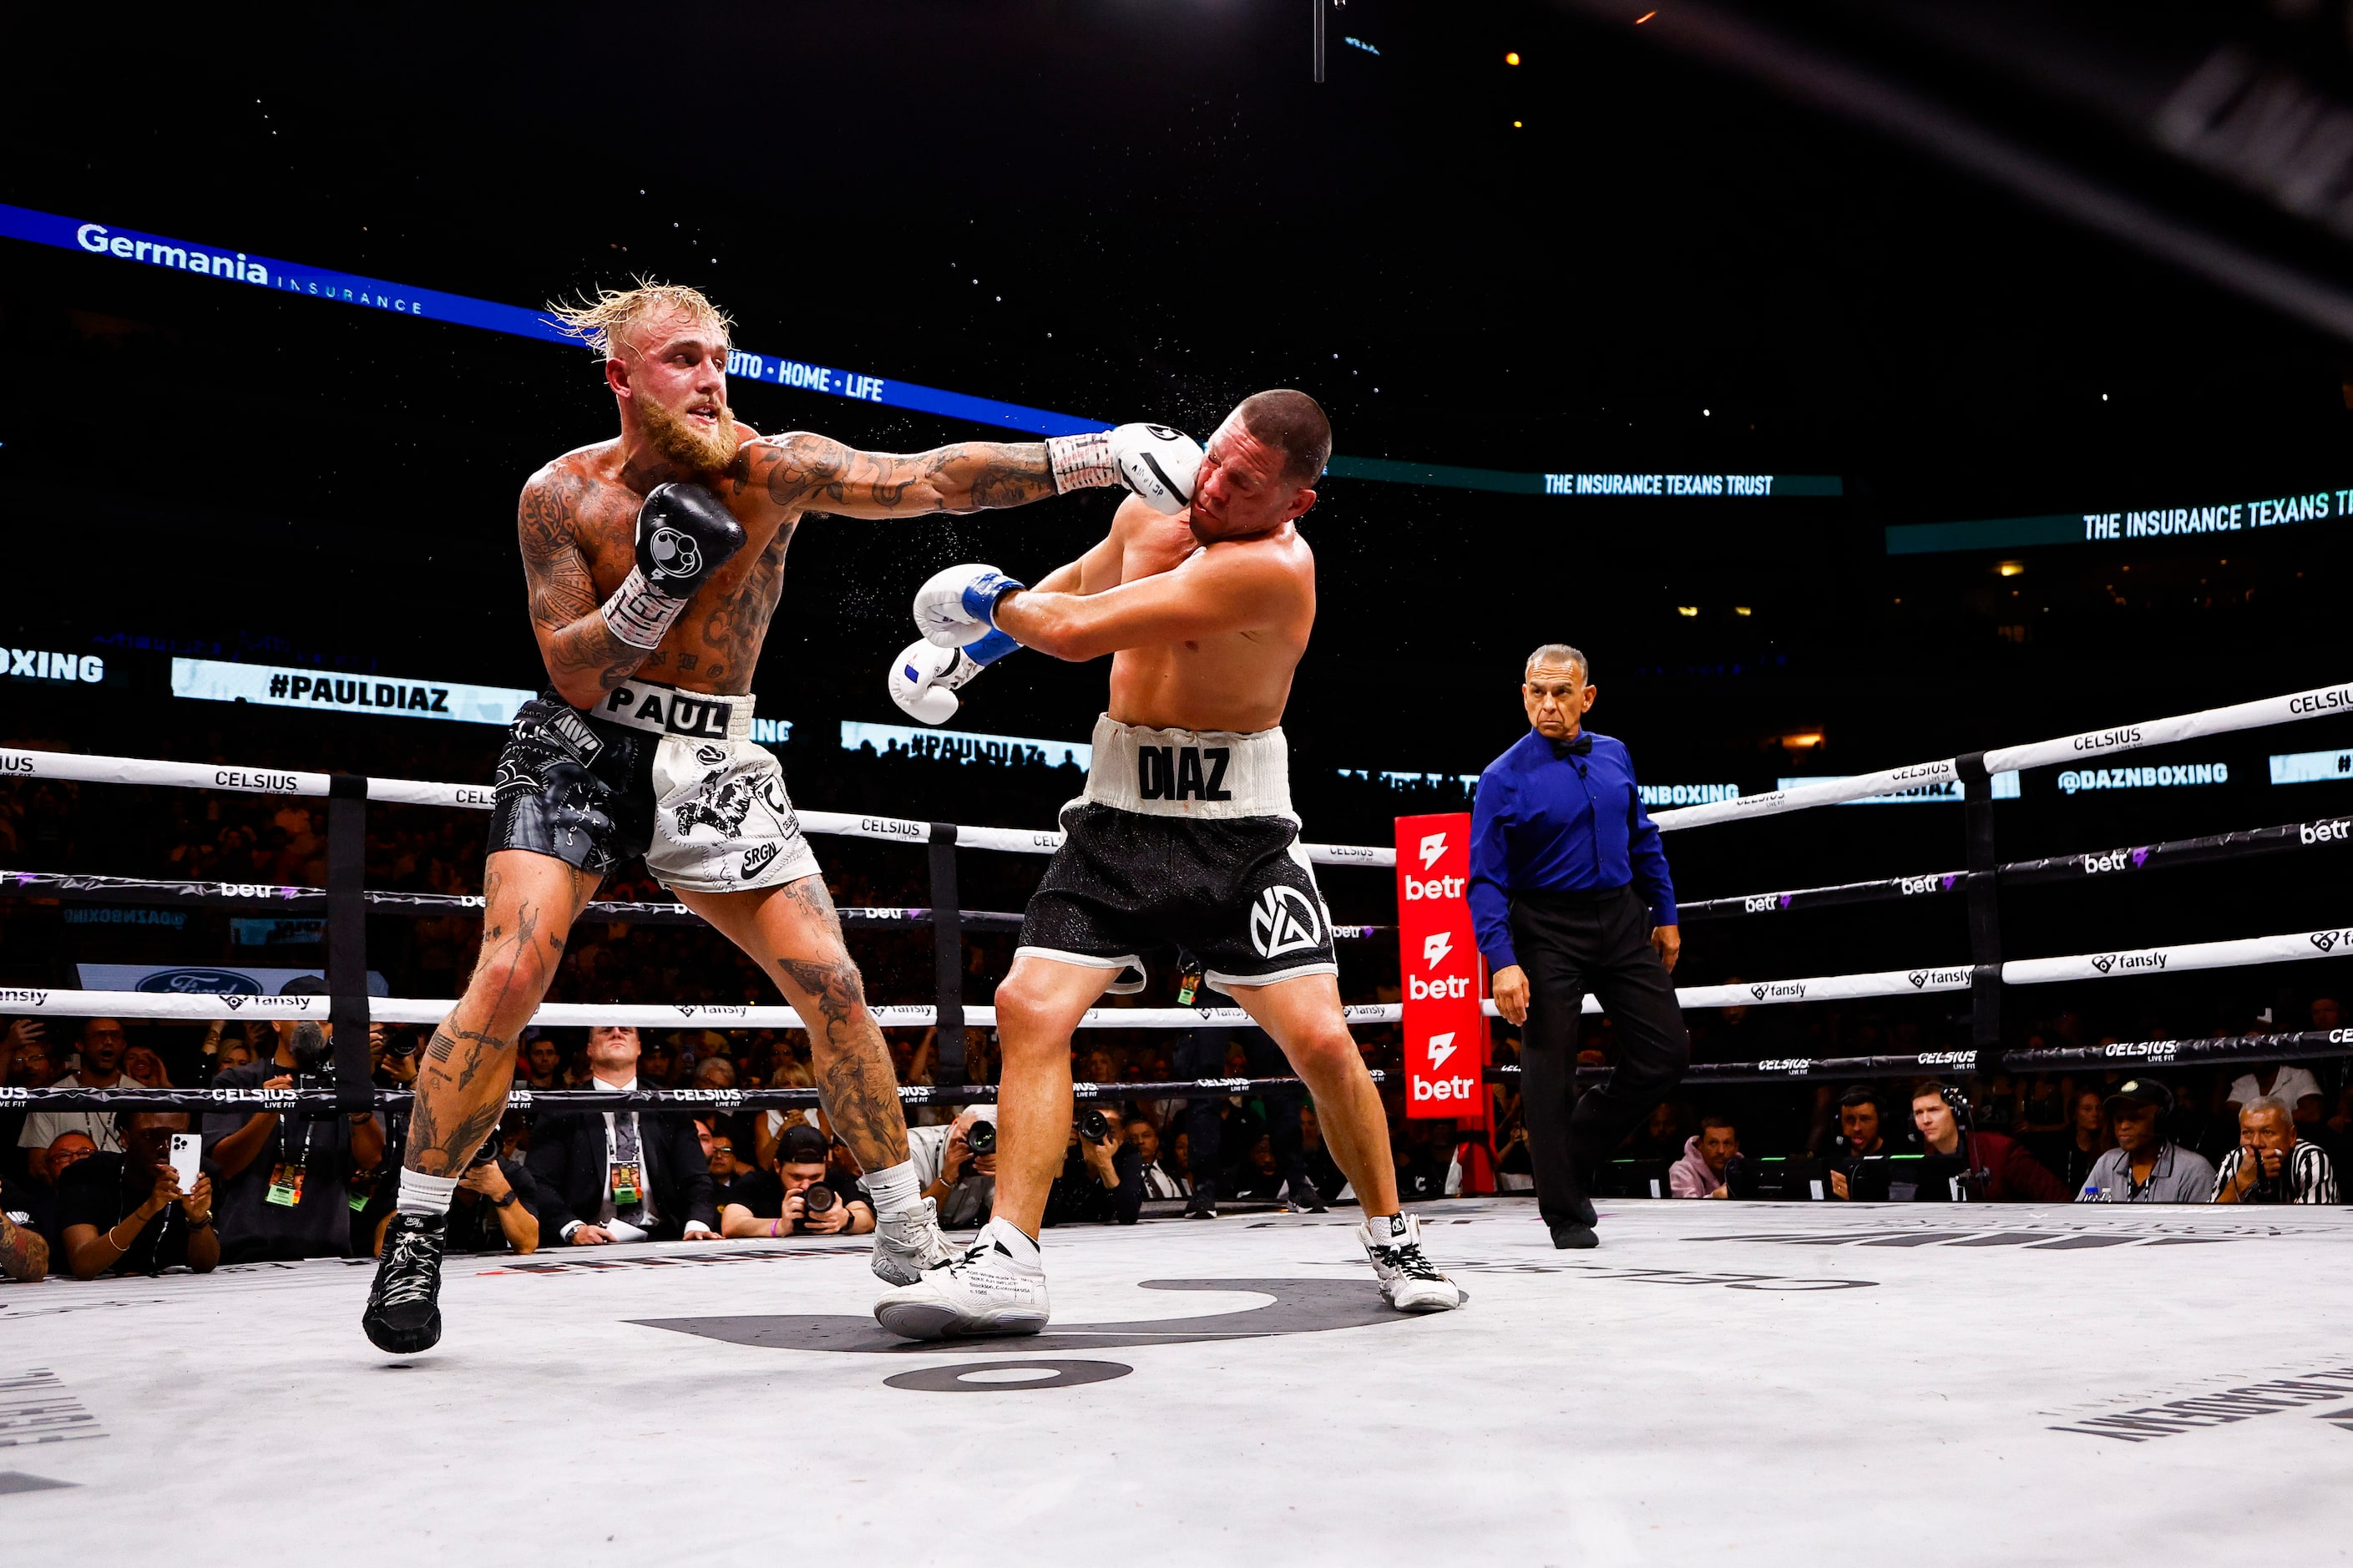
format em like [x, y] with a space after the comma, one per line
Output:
[1026, 1256]
[421, 1193]
[896, 1190]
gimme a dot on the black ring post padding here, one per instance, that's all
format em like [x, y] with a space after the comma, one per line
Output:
[347, 1007]
[1984, 885]
[947, 954]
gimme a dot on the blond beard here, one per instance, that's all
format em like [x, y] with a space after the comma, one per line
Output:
[687, 444]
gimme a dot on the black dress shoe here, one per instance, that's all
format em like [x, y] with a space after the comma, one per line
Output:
[1574, 1237]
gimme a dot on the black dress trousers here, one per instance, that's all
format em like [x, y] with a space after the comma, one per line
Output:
[1570, 944]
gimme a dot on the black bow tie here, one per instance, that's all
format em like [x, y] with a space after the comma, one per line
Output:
[1579, 745]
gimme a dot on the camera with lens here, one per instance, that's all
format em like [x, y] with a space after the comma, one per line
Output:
[313, 1053]
[1093, 1125]
[981, 1136]
[818, 1199]
[488, 1154]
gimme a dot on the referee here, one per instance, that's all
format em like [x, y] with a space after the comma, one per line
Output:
[1570, 893]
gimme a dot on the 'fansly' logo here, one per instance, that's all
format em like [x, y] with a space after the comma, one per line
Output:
[2104, 962]
[2324, 939]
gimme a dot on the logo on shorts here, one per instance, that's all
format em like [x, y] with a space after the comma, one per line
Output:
[721, 802]
[756, 859]
[711, 756]
[1284, 920]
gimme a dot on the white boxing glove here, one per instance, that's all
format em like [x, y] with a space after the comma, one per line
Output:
[959, 605]
[1158, 464]
[925, 677]
[1153, 461]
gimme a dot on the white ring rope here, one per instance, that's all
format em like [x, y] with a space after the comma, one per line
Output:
[78, 768]
[2236, 952]
[2320, 702]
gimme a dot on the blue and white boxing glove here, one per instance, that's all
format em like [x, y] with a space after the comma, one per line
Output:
[959, 605]
[925, 677]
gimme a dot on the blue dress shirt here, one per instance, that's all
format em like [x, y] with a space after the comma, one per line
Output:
[1546, 822]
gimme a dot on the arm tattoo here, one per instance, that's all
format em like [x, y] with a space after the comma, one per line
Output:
[24, 1252]
[564, 603]
[810, 472]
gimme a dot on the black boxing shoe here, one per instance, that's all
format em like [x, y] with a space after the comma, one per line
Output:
[404, 1309]
[1301, 1197]
[1571, 1236]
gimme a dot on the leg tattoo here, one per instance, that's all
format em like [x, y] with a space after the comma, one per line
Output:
[854, 1077]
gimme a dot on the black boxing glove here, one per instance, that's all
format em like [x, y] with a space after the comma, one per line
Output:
[685, 534]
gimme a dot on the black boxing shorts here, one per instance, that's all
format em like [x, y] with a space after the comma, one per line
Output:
[653, 771]
[1184, 839]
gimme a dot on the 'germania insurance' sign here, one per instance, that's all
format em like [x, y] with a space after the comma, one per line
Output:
[215, 680]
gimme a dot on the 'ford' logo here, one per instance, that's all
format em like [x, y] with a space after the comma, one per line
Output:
[202, 982]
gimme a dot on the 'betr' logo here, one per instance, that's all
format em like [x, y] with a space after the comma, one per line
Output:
[1440, 1047]
[1433, 845]
[1436, 946]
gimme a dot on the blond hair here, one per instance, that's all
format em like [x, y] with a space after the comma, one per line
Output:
[600, 322]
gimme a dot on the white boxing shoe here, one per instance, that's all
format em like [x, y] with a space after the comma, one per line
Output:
[995, 1286]
[908, 1243]
[1409, 1282]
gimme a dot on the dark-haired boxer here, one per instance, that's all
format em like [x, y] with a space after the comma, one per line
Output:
[1184, 835]
[653, 563]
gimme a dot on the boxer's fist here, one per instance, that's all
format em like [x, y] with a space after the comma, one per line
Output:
[924, 678]
[685, 535]
[959, 605]
[1158, 464]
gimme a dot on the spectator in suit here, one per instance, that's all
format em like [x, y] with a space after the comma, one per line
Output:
[621, 1176]
[1159, 1181]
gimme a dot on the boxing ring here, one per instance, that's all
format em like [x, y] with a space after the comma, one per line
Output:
[1767, 1381]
